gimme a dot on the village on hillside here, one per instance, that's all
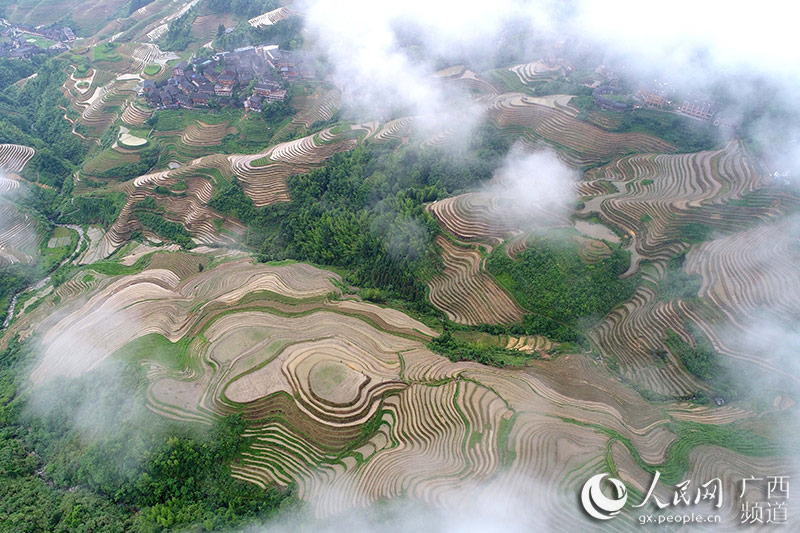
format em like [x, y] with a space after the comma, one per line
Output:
[251, 76]
[21, 41]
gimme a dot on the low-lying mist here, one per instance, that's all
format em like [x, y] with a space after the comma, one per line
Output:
[536, 187]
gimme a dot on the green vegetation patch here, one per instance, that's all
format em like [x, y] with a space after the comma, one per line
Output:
[677, 283]
[60, 245]
[695, 232]
[38, 40]
[686, 134]
[703, 362]
[82, 71]
[100, 209]
[58, 242]
[365, 212]
[60, 237]
[169, 230]
[33, 116]
[14, 278]
[485, 353]
[549, 279]
[152, 69]
[106, 52]
[148, 157]
[156, 347]
[147, 203]
[180, 119]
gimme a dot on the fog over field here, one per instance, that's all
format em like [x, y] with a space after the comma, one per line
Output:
[458, 462]
[743, 52]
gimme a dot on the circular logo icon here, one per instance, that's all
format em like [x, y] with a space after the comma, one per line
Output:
[597, 504]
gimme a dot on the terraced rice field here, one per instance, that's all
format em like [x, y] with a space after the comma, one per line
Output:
[535, 72]
[89, 15]
[318, 107]
[99, 108]
[18, 230]
[263, 176]
[111, 89]
[659, 193]
[466, 293]
[193, 139]
[634, 332]
[751, 270]
[583, 143]
[264, 185]
[471, 81]
[202, 134]
[134, 115]
[344, 400]
[750, 278]
[142, 56]
[204, 28]
[14, 157]
[189, 208]
[342, 397]
[487, 217]
[529, 344]
[731, 467]
[269, 18]
[160, 27]
[18, 236]
[108, 159]
[648, 197]
[399, 128]
[309, 151]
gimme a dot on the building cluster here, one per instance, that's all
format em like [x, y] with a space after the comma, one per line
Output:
[18, 42]
[695, 108]
[653, 99]
[606, 96]
[255, 75]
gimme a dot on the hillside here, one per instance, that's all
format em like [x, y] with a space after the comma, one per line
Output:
[249, 272]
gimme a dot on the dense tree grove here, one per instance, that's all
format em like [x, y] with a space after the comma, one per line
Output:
[457, 350]
[13, 70]
[173, 231]
[31, 116]
[550, 279]
[686, 134]
[179, 32]
[100, 209]
[702, 360]
[14, 278]
[242, 8]
[364, 212]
